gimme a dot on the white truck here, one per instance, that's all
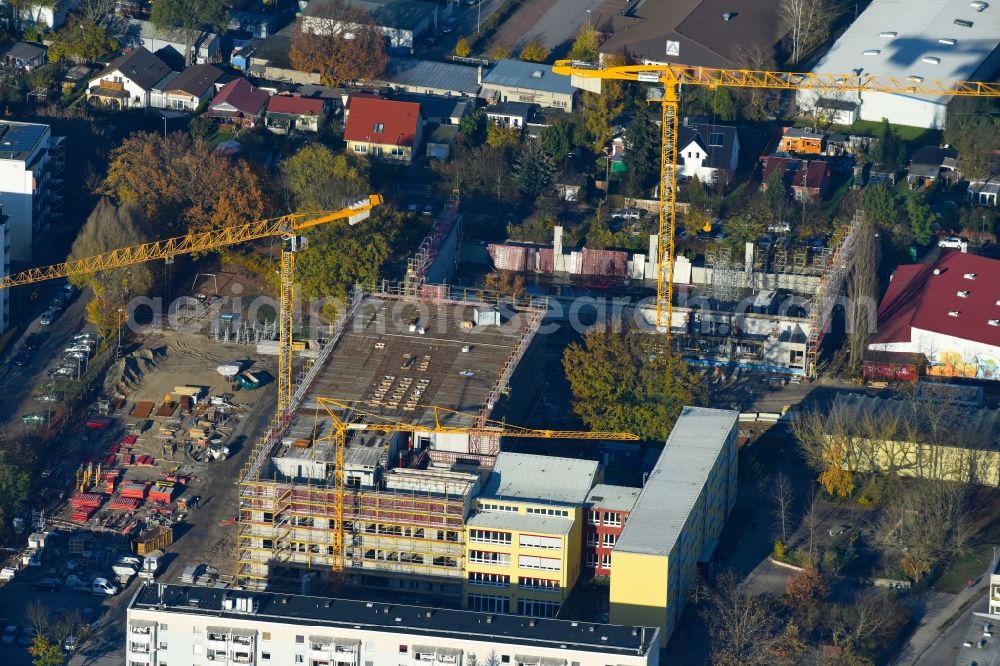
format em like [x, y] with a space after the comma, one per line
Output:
[104, 587]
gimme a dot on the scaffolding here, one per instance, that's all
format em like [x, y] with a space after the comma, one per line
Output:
[833, 267]
[725, 276]
[248, 333]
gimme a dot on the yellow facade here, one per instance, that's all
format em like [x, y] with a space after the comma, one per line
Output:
[639, 588]
[927, 461]
[522, 557]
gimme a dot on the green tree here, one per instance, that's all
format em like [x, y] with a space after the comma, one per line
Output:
[585, 46]
[533, 170]
[81, 40]
[473, 127]
[776, 195]
[601, 110]
[190, 17]
[15, 486]
[534, 51]
[339, 256]
[498, 136]
[623, 380]
[317, 179]
[890, 150]
[879, 204]
[642, 148]
[45, 652]
[557, 140]
[921, 217]
[723, 105]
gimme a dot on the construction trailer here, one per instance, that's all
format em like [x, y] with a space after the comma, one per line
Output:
[397, 351]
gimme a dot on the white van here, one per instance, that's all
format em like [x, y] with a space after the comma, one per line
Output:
[104, 587]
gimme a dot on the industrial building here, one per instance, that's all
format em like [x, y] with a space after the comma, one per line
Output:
[32, 162]
[408, 491]
[948, 311]
[918, 40]
[677, 520]
[170, 624]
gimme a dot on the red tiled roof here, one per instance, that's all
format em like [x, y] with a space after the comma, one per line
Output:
[382, 121]
[243, 96]
[917, 298]
[299, 106]
[817, 172]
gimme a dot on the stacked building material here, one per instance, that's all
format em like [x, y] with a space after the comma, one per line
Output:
[92, 500]
[124, 504]
[162, 492]
[134, 490]
[83, 514]
[144, 461]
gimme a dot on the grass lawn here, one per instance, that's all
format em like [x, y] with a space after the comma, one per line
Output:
[908, 133]
[968, 567]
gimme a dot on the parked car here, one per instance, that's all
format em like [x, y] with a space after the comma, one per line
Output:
[46, 397]
[79, 347]
[27, 636]
[57, 304]
[10, 634]
[953, 242]
[428, 210]
[627, 214]
[48, 585]
[103, 586]
[70, 644]
[449, 25]
[48, 317]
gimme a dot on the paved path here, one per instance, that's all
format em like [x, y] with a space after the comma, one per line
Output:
[918, 649]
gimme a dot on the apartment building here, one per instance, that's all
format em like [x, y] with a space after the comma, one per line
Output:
[32, 162]
[608, 508]
[176, 624]
[676, 521]
[524, 539]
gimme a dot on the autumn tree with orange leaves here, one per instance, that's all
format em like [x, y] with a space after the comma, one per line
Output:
[340, 42]
[181, 185]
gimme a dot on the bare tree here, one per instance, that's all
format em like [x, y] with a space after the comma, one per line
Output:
[757, 103]
[808, 23]
[64, 626]
[746, 628]
[811, 519]
[863, 288]
[38, 617]
[782, 497]
[853, 624]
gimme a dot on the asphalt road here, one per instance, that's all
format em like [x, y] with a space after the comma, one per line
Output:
[467, 20]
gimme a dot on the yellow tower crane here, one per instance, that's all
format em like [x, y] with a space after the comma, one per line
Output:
[287, 227]
[673, 77]
[350, 417]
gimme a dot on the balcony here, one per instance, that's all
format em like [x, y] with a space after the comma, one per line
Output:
[144, 629]
[139, 648]
[241, 657]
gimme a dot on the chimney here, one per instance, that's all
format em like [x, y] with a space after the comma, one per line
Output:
[479, 75]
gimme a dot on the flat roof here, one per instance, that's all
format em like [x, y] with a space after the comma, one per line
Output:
[615, 498]
[983, 651]
[543, 479]
[415, 621]
[520, 522]
[528, 75]
[19, 140]
[677, 480]
[432, 74]
[396, 373]
[903, 38]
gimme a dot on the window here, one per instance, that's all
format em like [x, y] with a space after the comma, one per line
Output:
[403, 649]
[538, 583]
[613, 519]
[300, 640]
[562, 513]
[532, 541]
[300, 659]
[488, 579]
[545, 563]
[594, 517]
[360, 148]
[487, 557]
[377, 151]
[265, 635]
[398, 151]
[536, 608]
[606, 562]
[558, 104]
[163, 627]
[964, 23]
[489, 536]
[163, 645]
[592, 539]
[591, 560]
[378, 127]
[485, 603]
[497, 507]
[690, 154]
[609, 540]
[265, 656]
[717, 139]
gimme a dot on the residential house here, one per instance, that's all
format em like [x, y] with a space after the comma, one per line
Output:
[74, 77]
[710, 152]
[439, 141]
[705, 33]
[607, 510]
[50, 14]
[808, 180]
[438, 110]
[510, 115]
[239, 103]
[983, 193]
[32, 166]
[529, 82]
[24, 56]
[127, 82]
[931, 163]
[880, 174]
[402, 22]
[268, 59]
[801, 141]
[171, 45]
[432, 78]
[383, 128]
[837, 111]
[185, 91]
[287, 113]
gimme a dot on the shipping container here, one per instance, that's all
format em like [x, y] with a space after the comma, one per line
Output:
[99, 422]
[612, 263]
[546, 260]
[158, 538]
[893, 366]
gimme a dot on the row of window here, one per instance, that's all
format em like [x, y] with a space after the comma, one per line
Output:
[483, 579]
[489, 536]
[379, 555]
[611, 518]
[523, 561]
[606, 540]
[484, 506]
[592, 561]
[379, 151]
[539, 511]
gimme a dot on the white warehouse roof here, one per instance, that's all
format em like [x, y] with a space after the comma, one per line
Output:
[949, 40]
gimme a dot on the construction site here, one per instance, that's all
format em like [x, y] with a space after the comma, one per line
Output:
[401, 394]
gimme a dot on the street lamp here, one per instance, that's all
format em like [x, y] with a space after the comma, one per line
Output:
[588, 18]
[479, 15]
